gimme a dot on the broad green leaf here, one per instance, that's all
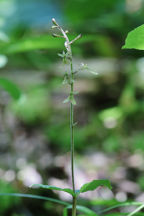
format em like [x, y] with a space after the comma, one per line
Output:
[11, 88]
[135, 39]
[94, 184]
[67, 190]
[35, 197]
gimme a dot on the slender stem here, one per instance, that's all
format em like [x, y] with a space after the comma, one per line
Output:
[72, 131]
[67, 45]
[72, 140]
[74, 206]
[72, 146]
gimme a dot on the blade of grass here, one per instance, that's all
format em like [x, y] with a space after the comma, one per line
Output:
[35, 197]
[120, 205]
[136, 210]
[86, 210]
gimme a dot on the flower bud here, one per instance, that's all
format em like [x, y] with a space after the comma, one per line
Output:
[54, 21]
[54, 27]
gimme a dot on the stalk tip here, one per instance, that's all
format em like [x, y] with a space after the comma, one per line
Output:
[54, 21]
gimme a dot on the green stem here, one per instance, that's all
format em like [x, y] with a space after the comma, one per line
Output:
[72, 131]
[72, 140]
[72, 146]
[67, 45]
[74, 206]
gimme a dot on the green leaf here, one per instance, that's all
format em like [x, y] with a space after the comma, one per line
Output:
[136, 210]
[135, 39]
[120, 205]
[94, 184]
[11, 88]
[67, 190]
[35, 197]
[86, 210]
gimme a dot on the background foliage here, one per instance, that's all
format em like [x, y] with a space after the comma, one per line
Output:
[34, 132]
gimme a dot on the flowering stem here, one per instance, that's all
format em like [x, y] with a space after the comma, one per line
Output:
[72, 140]
[67, 45]
[72, 130]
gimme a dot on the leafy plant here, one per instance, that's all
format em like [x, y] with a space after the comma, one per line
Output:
[69, 79]
[134, 40]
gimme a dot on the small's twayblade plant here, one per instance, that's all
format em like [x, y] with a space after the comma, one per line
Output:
[69, 79]
[135, 40]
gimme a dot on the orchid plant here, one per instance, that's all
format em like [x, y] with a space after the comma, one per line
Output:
[69, 79]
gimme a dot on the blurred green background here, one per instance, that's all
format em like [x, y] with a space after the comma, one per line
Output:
[34, 129]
